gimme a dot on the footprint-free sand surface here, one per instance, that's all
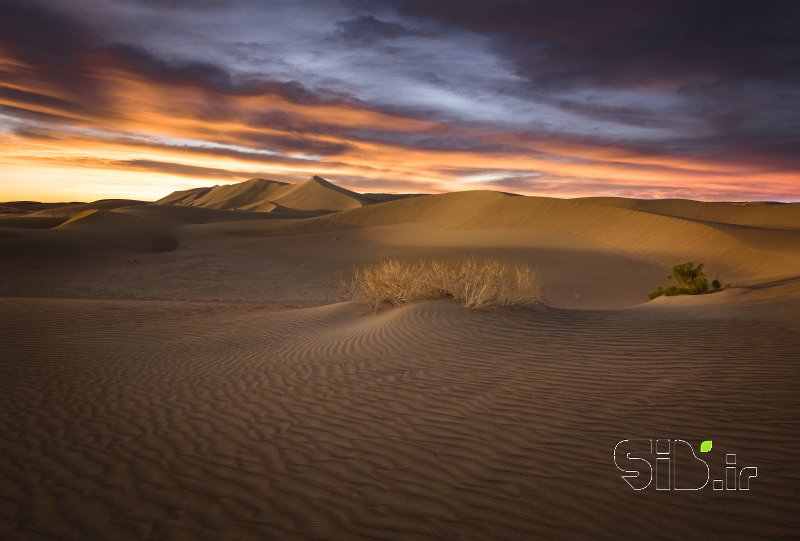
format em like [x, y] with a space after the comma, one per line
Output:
[188, 372]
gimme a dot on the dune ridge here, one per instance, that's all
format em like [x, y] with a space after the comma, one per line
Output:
[590, 254]
[757, 213]
[654, 237]
[315, 194]
[71, 209]
[121, 231]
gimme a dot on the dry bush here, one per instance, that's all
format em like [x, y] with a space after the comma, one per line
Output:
[473, 283]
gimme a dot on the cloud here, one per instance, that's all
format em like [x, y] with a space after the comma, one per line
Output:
[31, 114]
[181, 169]
[209, 76]
[627, 42]
[35, 98]
[367, 29]
[292, 144]
[719, 74]
[66, 53]
[48, 45]
[410, 92]
[44, 35]
[185, 4]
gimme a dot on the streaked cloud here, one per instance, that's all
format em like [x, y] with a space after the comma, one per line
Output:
[553, 98]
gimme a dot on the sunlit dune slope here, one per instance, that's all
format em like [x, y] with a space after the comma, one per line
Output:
[759, 213]
[653, 237]
[315, 194]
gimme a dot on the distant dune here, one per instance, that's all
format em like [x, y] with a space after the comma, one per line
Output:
[27, 207]
[71, 209]
[315, 194]
[577, 243]
[758, 213]
[657, 237]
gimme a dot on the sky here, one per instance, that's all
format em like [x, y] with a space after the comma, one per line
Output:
[563, 98]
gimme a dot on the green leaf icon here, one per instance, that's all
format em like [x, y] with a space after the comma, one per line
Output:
[706, 446]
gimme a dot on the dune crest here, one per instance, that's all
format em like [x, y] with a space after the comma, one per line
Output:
[658, 238]
[258, 194]
[71, 209]
[120, 231]
[751, 213]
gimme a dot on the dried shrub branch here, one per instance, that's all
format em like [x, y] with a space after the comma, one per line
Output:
[474, 284]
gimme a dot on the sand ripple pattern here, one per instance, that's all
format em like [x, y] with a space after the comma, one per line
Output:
[157, 420]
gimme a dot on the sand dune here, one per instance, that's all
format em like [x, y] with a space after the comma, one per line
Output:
[759, 213]
[213, 265]
[23, 221]
[655, 238]
[27, 207]
[590, 255]
[202, 215]
[315, 194]
[183, 371]
[251, 195]
[120, 230]
[71, 209]
[163, 420]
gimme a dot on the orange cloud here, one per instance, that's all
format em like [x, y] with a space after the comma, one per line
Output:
[154, 136]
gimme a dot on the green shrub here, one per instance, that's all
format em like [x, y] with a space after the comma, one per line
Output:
[690, 279]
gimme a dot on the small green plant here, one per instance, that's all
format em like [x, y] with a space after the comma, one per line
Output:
[690, 280]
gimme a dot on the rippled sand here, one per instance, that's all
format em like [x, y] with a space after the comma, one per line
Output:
[219, 389]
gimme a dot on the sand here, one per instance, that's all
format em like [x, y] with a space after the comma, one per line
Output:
[314, 195]
[180, 372]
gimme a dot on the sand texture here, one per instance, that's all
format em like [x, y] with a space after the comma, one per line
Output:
[184, 370]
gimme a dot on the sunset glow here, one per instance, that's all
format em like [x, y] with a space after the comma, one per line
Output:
[137, 99]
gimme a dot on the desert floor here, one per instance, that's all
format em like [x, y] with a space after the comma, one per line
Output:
[192, 373]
